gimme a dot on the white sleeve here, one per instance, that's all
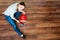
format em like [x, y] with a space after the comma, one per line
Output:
[8, 11]
[12, 16]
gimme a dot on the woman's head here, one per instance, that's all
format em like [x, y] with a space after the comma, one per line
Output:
[21, 5]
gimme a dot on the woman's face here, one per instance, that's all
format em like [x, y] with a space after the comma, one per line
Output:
[21, 7]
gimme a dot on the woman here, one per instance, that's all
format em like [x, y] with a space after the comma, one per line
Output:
[11, 17]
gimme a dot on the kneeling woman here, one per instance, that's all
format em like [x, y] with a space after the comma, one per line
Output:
[9, 15]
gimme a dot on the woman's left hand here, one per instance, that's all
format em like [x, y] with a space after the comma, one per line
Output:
[23, 12]
[17, 21]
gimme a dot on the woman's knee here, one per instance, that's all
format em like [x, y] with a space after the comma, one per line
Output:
[15, 26]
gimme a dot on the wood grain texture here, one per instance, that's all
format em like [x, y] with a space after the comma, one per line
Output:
[43, 20]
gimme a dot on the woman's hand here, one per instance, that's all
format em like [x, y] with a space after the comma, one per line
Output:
[23, 12]
[17, 21]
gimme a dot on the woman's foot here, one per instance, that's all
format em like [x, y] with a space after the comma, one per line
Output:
[23, 36]
[21, 24]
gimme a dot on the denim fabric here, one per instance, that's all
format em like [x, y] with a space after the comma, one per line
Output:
[12, 22]
[17, 14]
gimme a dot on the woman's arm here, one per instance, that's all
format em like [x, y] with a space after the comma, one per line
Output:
[12, 16]
[23, 12]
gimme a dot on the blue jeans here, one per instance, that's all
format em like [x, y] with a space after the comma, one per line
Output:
[17, 14]
[13, 23]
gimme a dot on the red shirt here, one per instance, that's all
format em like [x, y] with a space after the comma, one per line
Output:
[23, 17]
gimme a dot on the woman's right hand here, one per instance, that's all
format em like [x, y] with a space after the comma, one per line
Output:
[17, 21]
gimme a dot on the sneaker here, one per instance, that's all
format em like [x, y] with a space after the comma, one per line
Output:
[21, 25]
[23, 36]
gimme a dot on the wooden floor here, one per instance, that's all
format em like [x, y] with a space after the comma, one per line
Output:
[43, 20]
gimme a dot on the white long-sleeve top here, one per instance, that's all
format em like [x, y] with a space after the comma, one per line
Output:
[11, 10]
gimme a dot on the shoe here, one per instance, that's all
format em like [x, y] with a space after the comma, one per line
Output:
[21, 25]
[23, 36]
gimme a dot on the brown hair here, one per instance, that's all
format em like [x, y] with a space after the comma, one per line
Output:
[22, 3]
